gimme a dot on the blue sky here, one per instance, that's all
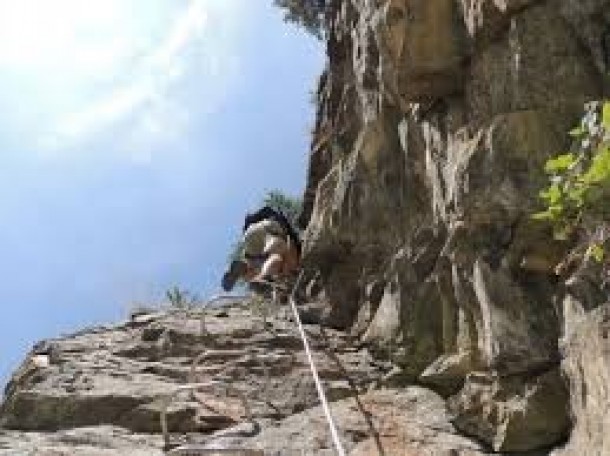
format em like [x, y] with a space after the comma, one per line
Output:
[134, 135]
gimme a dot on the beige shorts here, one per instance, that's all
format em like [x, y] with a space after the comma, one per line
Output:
[263, 239]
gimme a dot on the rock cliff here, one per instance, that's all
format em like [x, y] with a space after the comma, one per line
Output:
[439, 324]
[435, 119]
[100, 392]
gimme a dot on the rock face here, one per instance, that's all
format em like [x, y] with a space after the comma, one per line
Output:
[435, 119]
[445, 330]
[587, 367]
[411, 421]
[100, 392]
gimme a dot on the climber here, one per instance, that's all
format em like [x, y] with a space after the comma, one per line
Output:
[271, 250]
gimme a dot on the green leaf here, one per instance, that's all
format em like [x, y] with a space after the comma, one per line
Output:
[577, 195]
[577, 132]
[552, 195]
[599, 171]
[560, 163]
[578, 191]
[596, 251]
[552, 214]
[544, 216]
[557, 210]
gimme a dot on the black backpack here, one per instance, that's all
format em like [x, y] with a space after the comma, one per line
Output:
[268, 213]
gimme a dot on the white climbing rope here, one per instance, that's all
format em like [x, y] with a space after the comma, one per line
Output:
[314, 372]
[312, 366]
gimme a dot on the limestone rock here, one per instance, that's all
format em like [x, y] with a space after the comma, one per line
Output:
[486, 19]
[410, 421]
[447, 373]
[414, 64]
[83, 441]
[108, 385]
[589, 20]
[516, 335]
[434, 121]
[587, 366]
[519, 413]
[512, 74]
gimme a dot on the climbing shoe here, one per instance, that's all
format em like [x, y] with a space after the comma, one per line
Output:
[236, 270]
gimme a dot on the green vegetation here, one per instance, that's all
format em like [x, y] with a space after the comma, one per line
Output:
[181, 299]
[308, 14]
[576, 201]
[287, 205]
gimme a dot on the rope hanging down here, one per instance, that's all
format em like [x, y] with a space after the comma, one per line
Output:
[314, 372]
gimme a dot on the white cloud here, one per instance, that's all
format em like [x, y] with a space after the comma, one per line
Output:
[145, 100]
[39, 35]
[188, 27]
[107, 111]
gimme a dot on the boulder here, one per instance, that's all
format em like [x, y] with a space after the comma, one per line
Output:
[514, 414]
